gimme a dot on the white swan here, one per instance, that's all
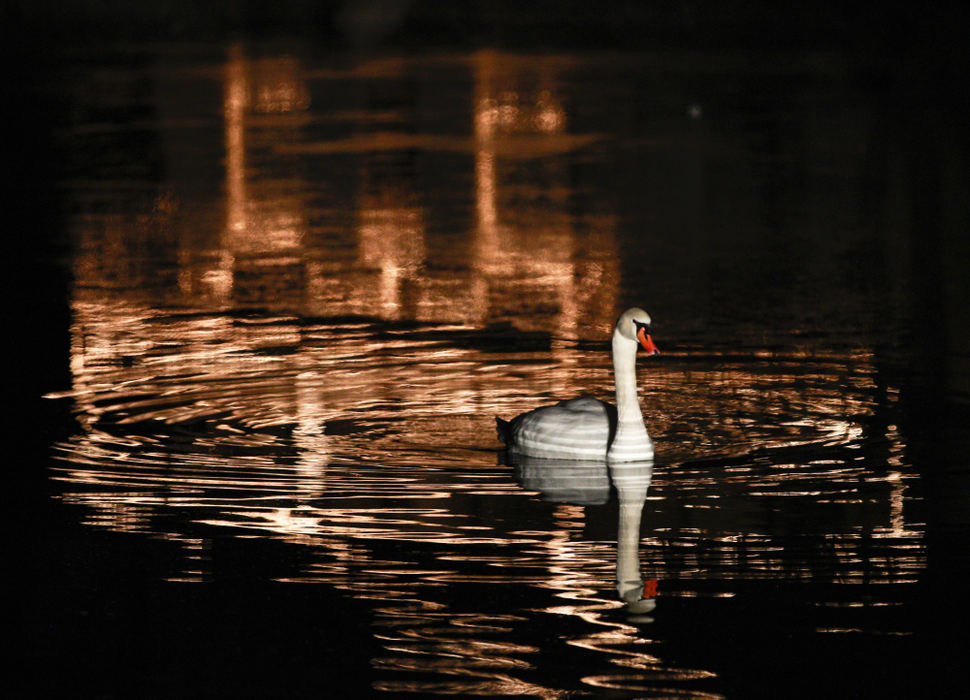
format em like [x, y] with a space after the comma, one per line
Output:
[586, 428]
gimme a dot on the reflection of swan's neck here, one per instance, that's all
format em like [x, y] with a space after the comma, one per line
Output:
[629, 582]
[631, 440]
[631, 480]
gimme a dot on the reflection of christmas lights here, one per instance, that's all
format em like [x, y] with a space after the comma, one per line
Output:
[277, 86]
[392, 241]
[518, 241]
[508, 113]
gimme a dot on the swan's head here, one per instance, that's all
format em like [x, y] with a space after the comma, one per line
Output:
[634, 324]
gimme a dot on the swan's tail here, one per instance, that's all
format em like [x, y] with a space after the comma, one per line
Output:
[504, 429]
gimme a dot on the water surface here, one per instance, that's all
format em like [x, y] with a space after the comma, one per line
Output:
[303, 287]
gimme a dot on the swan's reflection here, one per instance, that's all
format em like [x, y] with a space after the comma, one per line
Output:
[588, 483]
[580, 483]
[631, 480]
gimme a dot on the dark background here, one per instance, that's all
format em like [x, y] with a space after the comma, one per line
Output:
[916, 53]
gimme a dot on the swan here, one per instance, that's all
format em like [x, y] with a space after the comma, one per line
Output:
[587, 428]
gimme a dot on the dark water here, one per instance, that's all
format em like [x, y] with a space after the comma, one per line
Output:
[301, 287]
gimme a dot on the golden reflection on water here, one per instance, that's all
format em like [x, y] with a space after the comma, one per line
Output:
[323, 371]
[384, 265]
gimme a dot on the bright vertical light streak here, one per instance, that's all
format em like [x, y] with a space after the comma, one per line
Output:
[234, 112]
[486, 234]
[235, 108]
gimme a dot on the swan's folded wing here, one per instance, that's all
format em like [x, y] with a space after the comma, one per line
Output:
[574, 429]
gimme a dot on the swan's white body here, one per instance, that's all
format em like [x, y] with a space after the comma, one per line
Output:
[586, 428]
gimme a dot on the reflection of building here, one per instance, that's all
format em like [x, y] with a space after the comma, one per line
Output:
[527, 246]
[528, 262]
[265, 220]
[343, 227]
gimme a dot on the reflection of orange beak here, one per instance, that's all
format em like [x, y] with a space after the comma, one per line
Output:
[646, 342]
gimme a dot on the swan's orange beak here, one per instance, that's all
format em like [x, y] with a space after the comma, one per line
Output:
[646, 342]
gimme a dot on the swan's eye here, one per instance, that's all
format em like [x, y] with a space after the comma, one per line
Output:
[645, 326]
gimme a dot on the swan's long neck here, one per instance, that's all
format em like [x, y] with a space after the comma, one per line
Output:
[625, 377]
[631, 441]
